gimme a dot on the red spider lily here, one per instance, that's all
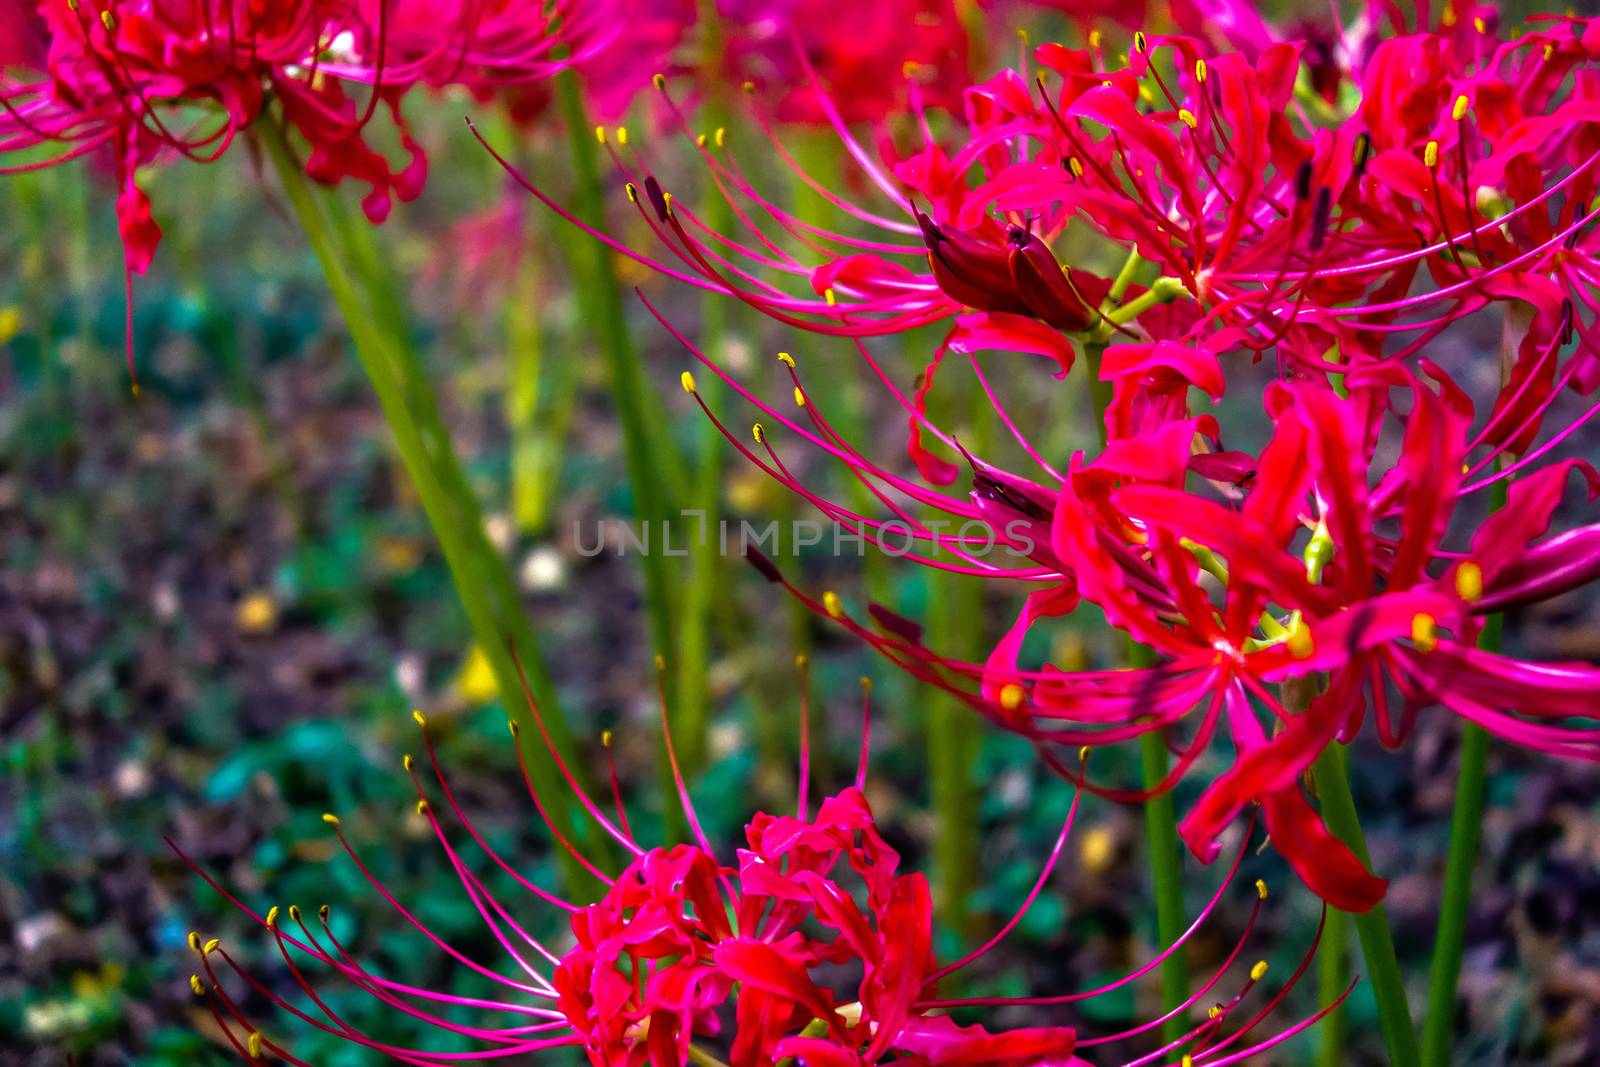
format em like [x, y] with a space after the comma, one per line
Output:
[150, 79]
[819, 65]
[680, 934]
[1285, 577]
[1398, 614]
[1292, 228]
[507, 50]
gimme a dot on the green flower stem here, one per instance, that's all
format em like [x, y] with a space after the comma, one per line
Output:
[1333, 957]
[538, 401]
[692, 713]
[954, 734]
[1166, 866]
[1466, 823]
[654, 465]
[481, 577]
[1331, 775]
[1160, 812]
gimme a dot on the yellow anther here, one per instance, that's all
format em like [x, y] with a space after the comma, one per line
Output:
[633, 193]
[1011, 697]
[294, 912]
[1186, 117]
[1187, 1061]
[666, 201]
[1141, 43]
[1549, 50]
[408, 762]
[659, 81]
[1299, 641]
[1424, 632]
[830, 602]
[1430, 154]
[1258, 971]
[322, 913]
[749, 88]
[272, 917]
[1094, 38]
[605, 738]
[802, 661]
[419, 718]
[1022, 35]
[1480, 25]
[422, 807]
[759, 433]
[1083, 754]
[1106, 83]
[600, 134]
[866, 683]
[661, 662]
[1469, 581]
[688, 382]
[513, 727]
[1261, 888]
[786, 359]
[622, 135]
[799, 397]
[1200, 71]
[700, 140]
[1214, 1012]
[721, 136]
[211, 946]
[330, 818]
[1075, 166]
[1458, 111]
[194, 941]
[829, 296]
[194, 984]
[253, 1043]
[108, 20]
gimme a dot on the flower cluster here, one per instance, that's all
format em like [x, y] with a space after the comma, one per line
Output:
[146, 81]
[1347, 204]
[680, 935]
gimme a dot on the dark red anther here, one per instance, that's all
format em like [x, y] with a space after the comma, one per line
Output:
[1319, 217]
[758, 559]
[658, 199]
[895, 623]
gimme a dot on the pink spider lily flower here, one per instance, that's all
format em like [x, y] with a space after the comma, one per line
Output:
[818, 66]
[509, 51]
[1280, 572]
[682, 934]
[150, 80]
[1281, 227]
[147, 80]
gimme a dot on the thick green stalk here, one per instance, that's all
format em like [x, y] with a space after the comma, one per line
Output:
[654, 468]
[692, 714]
[1466, 823]
[1166, 864]
[537, 423]
[955, 606]
[1331, 774]
[954, 734]
[481, 577]
[1160, 811]
[1332, 978]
